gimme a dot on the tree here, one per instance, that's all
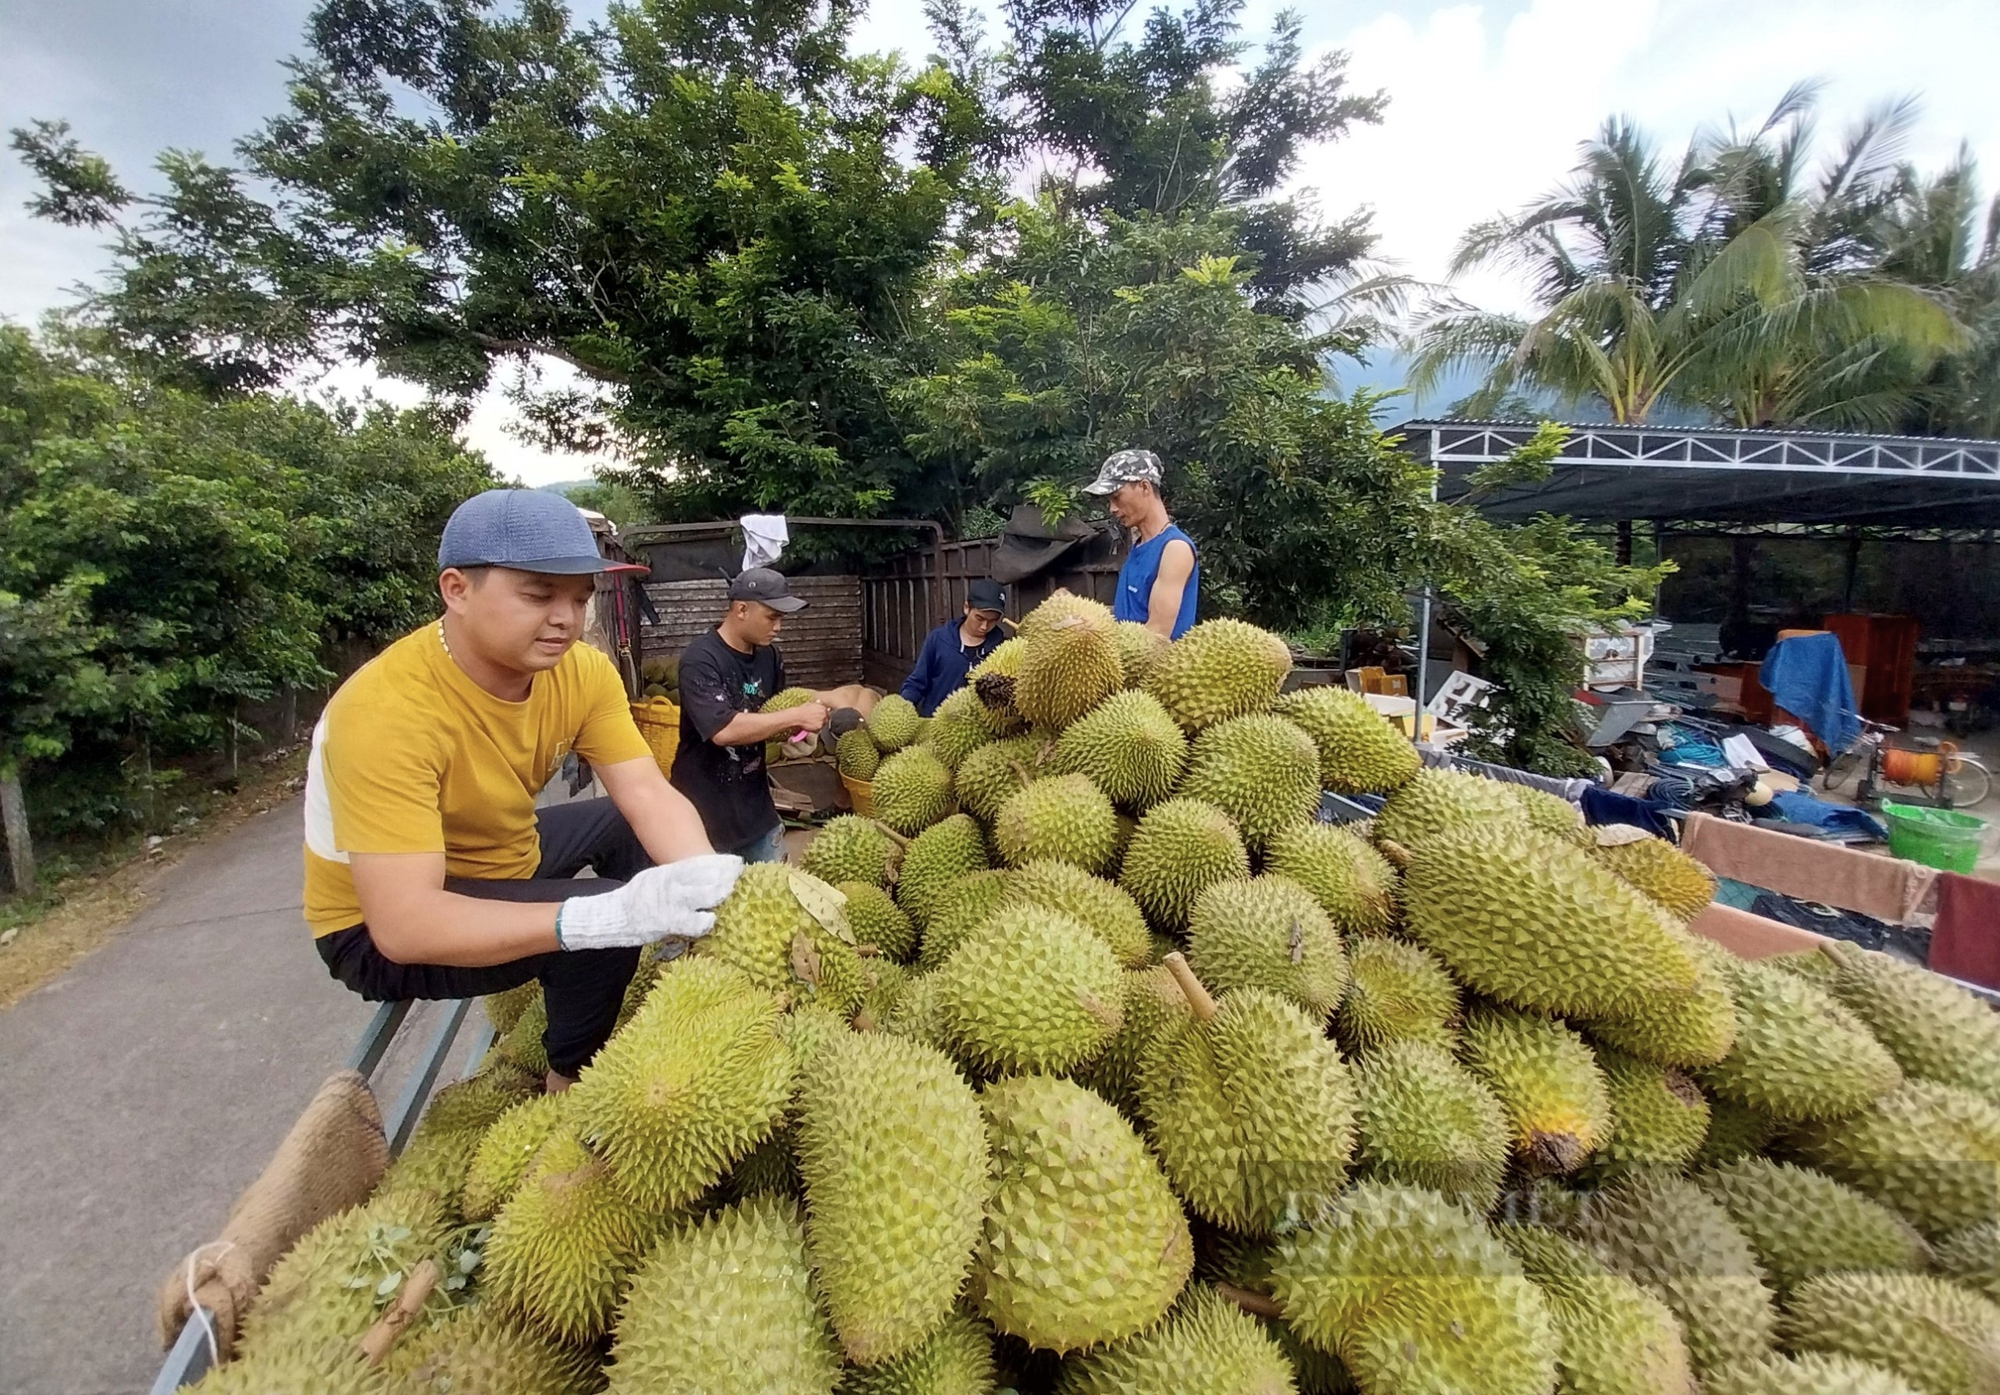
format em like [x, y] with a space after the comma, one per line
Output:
[1714, 281]
[165, 560]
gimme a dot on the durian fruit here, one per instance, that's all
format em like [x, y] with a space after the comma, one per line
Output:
[786, 698]
[887, 981]
[1552, 816]
[994, 773]
[328, 1368]
[956, 1359]
[1797, 1056]
[1932, 1152]
[698, 1079]
[1205, 1346]
[1030, 990]
[915, 1014]
[1180, 848]
[958, 728]
[1696, 1028]
[853, 849]
[505, 1150]
[1971, 1257]
[1942, 1339]
[1267, 932]
[1398, 992]
[1536, 924]
[1101, 907]
[1425, 1122]
[1249, 1106]
[1139, 648]
[1802, 1223]
[1547, 1081]
[1936, 1030]
[893, 1152]
[503, 1010]
[726, 1303]
[1128, 746]
[788, 931]
[1069, 660]
[1670, 1236]
[1359, 752]
[1084, 1242]
[1660, 870]
[857, 755]
[563, 1246]
[935, 861]
[1616, 1338]
[477, 1349]
[1811, 1374]
[1659, 1114]
[992, 682]
[1152, 999]
[893, 723]
[1354, 884]
[1436, 802]
[434, 1163]
[912, 790]
[523, 1047]
[961, 909]
[877, 921]
[1064, 818]
[1734, 1131]
[1415, 1295]
[1218, 670]
[1261, 771]
[323, 1292]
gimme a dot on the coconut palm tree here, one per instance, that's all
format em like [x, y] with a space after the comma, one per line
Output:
[1711, 281]
[1937, 234]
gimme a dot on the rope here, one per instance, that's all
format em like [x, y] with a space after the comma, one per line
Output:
[195, 1309]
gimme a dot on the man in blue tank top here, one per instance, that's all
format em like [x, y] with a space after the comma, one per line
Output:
[1158, 583]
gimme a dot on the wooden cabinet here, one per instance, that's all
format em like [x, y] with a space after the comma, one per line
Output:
[1886, 647]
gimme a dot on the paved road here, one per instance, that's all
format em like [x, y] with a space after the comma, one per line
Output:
[142, 1090]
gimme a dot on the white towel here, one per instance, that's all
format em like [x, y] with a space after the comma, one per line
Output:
[764, 537]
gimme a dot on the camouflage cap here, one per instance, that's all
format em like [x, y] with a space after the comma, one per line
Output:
[1125, 467]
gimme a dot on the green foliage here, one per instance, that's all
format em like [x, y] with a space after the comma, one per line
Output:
[165, 561]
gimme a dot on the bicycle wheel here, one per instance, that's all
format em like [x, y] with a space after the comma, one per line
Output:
[1967, 783]
[1842, 766]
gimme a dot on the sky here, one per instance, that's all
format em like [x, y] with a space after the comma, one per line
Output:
[1487, 104]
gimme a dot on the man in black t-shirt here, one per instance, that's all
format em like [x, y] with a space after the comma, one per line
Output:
[726, 675]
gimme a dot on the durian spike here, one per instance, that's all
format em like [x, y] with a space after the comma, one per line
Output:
[1198, 997]
[378, 1340]
[1395, 852]
[1255, 1304]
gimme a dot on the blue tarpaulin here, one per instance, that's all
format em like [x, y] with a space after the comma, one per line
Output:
[1807, 676]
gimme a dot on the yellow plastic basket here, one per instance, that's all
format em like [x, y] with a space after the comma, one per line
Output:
[862, 793]
[660, 723]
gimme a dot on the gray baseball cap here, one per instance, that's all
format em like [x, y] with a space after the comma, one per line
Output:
[766, 587]
[1125, 467]
[524, 530]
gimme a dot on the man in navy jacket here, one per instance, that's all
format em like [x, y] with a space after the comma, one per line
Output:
[953, 648]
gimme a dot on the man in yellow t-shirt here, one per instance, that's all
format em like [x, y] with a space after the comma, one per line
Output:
[429, 871]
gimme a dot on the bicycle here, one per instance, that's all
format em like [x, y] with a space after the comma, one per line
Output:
[1946, 776]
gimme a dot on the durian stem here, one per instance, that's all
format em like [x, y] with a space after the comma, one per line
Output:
[898, 839]
[1255, 1304]
[1197, 996]
[1022, 771]
[1394, 851]
[378, 1340]
[1837, 953]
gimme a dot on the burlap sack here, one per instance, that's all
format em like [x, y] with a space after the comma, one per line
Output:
[331, 1160]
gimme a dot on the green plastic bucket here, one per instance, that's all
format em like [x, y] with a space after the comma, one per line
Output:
[1940, 838]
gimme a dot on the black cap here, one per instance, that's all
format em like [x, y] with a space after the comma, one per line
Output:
[986, 594]
[766, 587]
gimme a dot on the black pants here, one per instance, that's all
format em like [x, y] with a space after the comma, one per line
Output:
[582, 988]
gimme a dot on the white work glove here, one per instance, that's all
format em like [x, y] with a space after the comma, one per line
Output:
[675, 901]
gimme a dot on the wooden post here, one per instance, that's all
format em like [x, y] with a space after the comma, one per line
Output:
[14, 822]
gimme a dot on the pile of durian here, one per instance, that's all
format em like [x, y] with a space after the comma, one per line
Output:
[1092, 1063]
